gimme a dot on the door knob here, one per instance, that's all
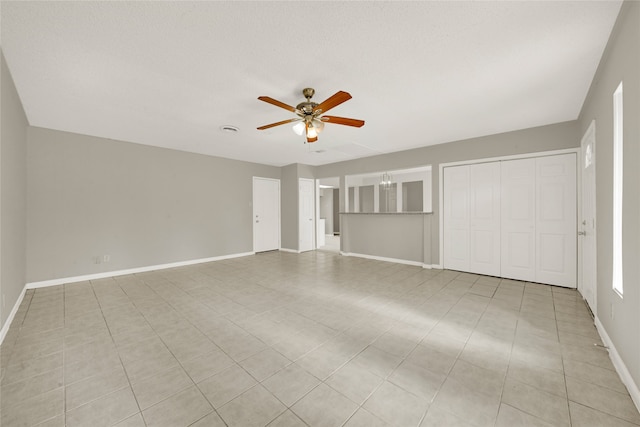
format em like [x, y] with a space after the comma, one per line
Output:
[582, 233]
[257, 220]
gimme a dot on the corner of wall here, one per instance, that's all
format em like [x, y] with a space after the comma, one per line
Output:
[13, 195]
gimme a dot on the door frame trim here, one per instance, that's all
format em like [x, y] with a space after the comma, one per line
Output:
[253, 210]
[441, 167]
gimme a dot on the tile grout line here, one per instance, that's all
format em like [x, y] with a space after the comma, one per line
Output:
[119, 357]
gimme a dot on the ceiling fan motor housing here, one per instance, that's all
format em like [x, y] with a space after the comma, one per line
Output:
[308, 92]
[306, 108]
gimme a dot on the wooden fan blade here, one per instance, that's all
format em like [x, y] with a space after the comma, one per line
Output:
[277, 103]
[284, 122]
[343, 121]
[334, 100]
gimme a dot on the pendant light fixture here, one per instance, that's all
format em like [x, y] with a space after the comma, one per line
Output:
[385, 182]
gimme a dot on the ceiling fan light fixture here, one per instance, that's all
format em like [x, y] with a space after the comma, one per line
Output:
[299, 128]
[318, 125]
[312, 132]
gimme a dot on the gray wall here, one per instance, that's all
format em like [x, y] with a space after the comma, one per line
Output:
[395, 236]
[13, 194]
[621, 62]
[412, 196]
[141, 205]
[289, 207]
[366, 198]
[544, 138]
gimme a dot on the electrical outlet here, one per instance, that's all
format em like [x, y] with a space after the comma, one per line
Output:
[106, 258]
[97, 260]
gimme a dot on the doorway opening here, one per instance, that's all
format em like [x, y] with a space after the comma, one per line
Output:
[329, 214]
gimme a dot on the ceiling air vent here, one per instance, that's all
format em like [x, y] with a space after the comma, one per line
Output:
[229, 129]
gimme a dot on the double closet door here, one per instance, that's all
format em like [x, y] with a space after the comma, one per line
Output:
[514, 219]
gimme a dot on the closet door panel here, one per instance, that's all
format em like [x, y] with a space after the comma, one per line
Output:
[513, 218]
[456, 218]
[484, 218]
[556, 232]
[518, 200]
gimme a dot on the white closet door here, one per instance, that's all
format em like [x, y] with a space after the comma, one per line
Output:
[484, 218]
[266, 212]
[518, 211]
[556, 233]
[456, 218]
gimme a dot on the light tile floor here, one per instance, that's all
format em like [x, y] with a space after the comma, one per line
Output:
[315, 339]
[331, 243]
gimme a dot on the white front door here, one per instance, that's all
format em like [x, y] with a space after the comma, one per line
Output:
[518, 203]
[556, 233]
[587, 268]
[266, 214]
[484, 218]
[306, 229]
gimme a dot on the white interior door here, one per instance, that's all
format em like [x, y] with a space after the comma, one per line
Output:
[587, 268]
[556, 233]
[456, 218]
[484, 218]
[518, 200]
[306, 229]
[266, 214]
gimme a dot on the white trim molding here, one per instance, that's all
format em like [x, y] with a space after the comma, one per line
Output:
[293, 251]
[380, 258]
[14, 310]
[618, 363]
[96, 276]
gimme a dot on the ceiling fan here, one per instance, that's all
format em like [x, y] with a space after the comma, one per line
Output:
[310, 118]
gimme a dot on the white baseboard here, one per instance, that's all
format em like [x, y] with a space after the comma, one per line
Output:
[14, 310]
[293, 251]
[380, 258]
[618, 363]
[103, 275]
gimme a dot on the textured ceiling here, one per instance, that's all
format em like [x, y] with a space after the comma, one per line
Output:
[170, 74]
